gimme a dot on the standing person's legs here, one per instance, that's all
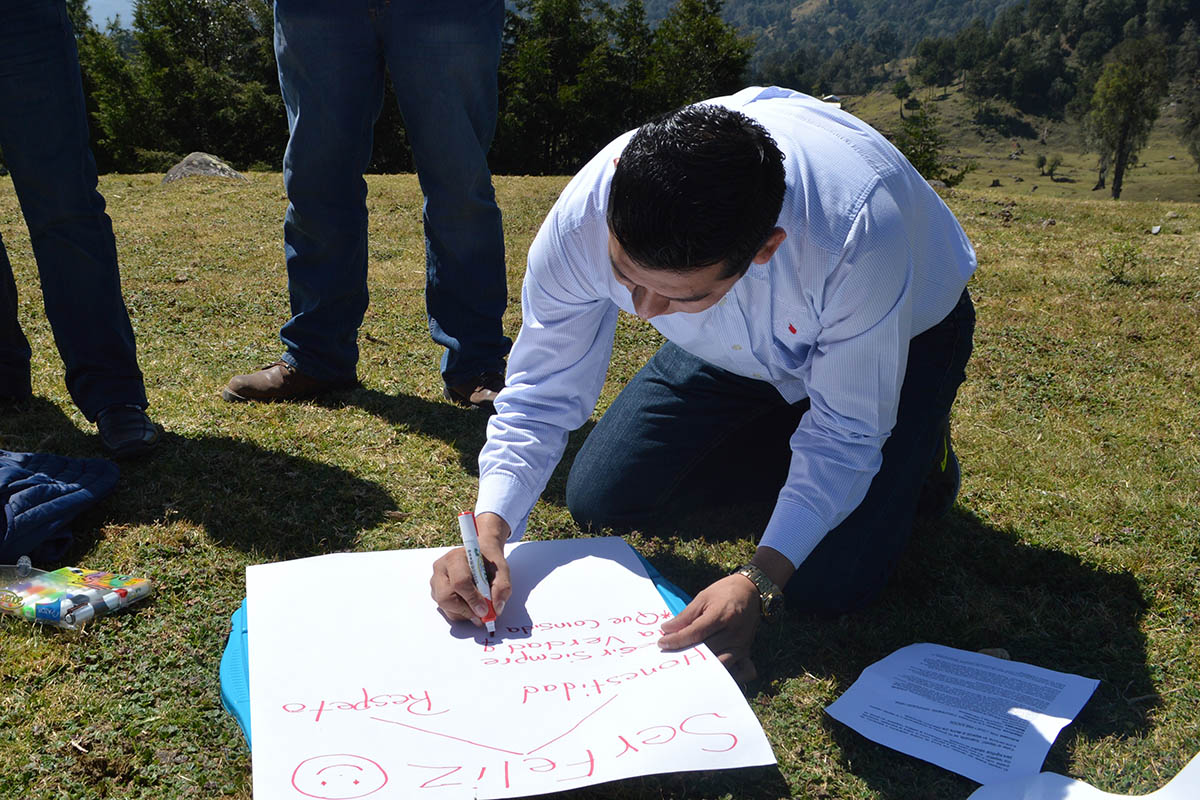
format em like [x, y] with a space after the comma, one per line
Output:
[44, 136]
[14, 347]
[331, 77]
[444, 58]
[684, 435]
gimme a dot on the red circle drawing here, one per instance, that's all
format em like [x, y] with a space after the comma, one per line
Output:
[339, 776]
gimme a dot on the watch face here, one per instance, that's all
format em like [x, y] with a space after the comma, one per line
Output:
[772, 604]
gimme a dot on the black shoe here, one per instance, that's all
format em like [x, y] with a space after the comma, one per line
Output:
[478, 393]
[126, 431]
[943, 481]
[12, 403]
[15, 396]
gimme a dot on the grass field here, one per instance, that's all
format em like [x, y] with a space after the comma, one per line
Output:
[1075, 543]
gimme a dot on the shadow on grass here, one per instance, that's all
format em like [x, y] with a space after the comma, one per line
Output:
[968, 585]
[463, 429]
[964, 584]
[278, 505]
[1008, 125]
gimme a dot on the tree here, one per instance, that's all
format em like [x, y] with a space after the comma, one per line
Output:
[1053, 164]
[85, 33]
[575, 73]
[696, 54]
[1041, 163]
[1187, 88]
[885, 41]
[902, 90]
[197, 76]
[924, 147]
[1125, 104]
[972, 47]
[1101, 171]
[549, 57]
[935, 62]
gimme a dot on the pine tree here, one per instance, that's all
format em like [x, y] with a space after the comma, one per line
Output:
[1124, 105]
[1187, 88]
[924, 147]
[197, 75]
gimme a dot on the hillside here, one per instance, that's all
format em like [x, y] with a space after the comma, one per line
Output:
[825, 25]
[1004, 143]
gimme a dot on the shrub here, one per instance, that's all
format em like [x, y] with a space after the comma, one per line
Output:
[1122, 262]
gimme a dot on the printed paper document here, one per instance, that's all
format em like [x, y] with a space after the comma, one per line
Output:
[977, 715]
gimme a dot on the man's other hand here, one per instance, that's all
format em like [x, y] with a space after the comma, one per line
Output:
[725, 617]
[453, 587]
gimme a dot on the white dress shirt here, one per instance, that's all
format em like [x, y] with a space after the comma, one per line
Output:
[872, 258]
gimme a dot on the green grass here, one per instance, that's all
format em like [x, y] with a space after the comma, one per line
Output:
[1075, 543]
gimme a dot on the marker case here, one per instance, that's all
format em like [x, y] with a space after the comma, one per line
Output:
[68, 597]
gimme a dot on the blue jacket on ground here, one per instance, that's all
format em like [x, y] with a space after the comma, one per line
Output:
[41, 493]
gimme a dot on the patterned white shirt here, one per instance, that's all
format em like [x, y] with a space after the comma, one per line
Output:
[872, 258]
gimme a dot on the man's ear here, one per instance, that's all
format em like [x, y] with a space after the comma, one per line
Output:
[772, 244]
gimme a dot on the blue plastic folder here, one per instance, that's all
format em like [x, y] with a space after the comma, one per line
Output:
[235, 666]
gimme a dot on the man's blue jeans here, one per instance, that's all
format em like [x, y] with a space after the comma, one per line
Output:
[685, 435]
[443, 58]
[44, 137]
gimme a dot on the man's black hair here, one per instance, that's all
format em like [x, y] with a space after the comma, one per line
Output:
[699, 186]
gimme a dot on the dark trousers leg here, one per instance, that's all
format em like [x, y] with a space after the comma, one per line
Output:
[685, 435]
[331, 75]
[14, 347]
[44, 135]
[443, 59]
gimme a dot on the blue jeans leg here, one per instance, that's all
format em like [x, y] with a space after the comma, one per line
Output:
[685, 435]
[14, 347]
[443, 58]
[44, 135]
[682, 435]
[851, 565]
[331, 75]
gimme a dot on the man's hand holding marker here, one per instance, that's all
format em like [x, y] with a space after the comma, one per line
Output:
[454, 586]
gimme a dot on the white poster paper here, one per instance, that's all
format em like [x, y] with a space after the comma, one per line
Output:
[359, 688]
[977, 715]
[1052, 786]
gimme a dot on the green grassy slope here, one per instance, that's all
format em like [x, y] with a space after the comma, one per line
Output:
[1007, 150]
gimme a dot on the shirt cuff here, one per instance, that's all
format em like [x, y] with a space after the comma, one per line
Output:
[501, 493]
[794, 531]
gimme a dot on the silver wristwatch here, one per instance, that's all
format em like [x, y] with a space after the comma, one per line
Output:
[770, 596]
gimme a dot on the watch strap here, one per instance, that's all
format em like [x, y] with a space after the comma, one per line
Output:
[770, 596]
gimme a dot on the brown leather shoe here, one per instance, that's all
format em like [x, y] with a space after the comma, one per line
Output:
[478, 393]
[278, 381]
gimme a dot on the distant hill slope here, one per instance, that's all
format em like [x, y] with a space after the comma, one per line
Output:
[1004, 145]
[825, 25]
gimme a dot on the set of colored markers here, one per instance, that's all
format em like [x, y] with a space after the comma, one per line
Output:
[70, 596]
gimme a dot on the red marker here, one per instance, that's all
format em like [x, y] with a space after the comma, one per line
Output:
[470, 538]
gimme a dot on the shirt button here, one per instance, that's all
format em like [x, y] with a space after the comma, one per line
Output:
[758, 374]
[737, 347]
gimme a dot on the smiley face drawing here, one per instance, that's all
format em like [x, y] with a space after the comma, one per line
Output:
[339, 776]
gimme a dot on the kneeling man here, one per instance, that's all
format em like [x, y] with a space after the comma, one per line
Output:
[811, 288]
